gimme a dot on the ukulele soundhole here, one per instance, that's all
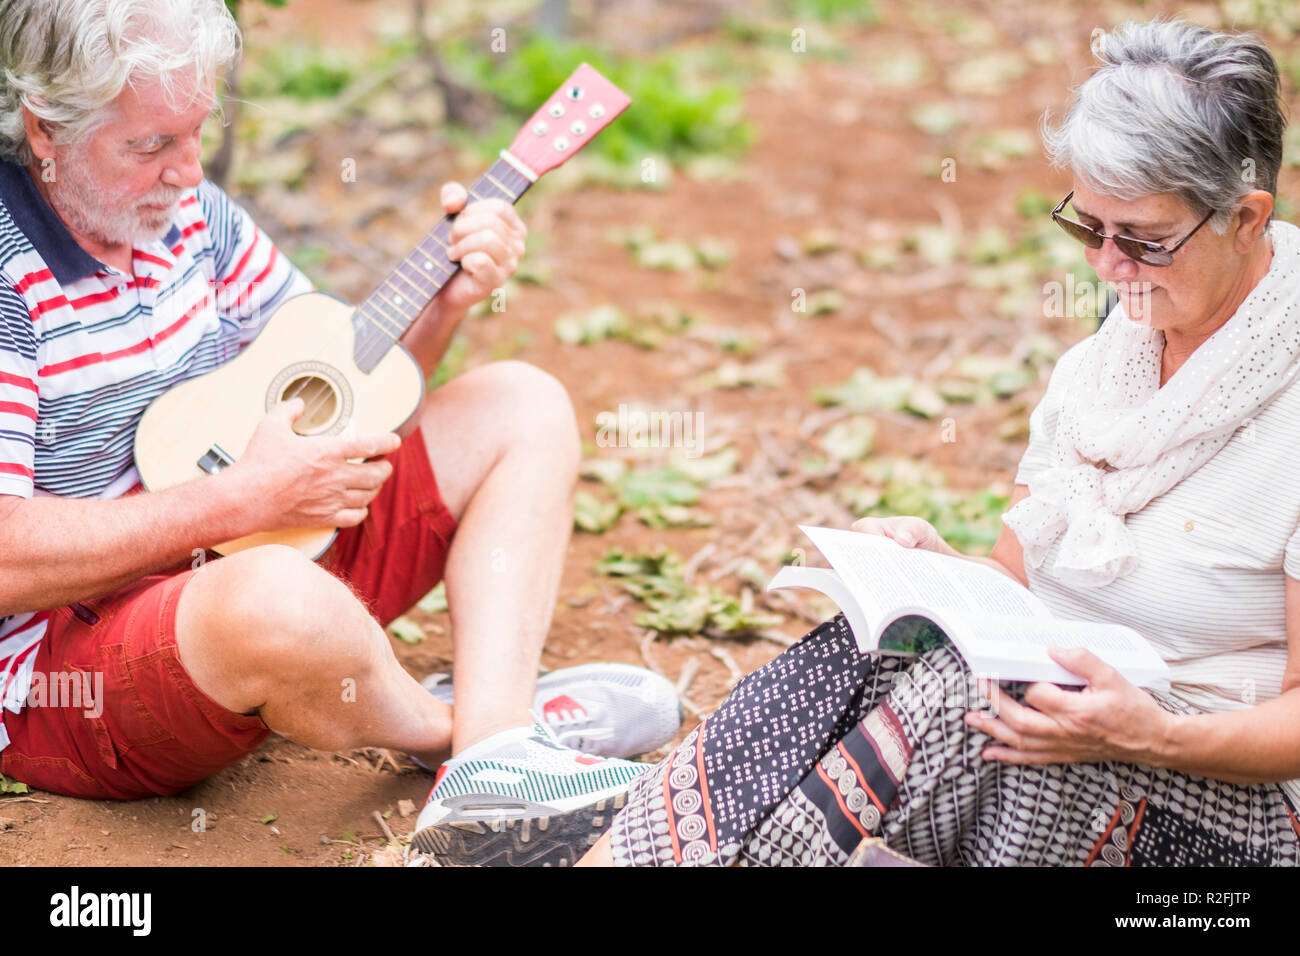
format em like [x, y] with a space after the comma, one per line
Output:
[327, 399]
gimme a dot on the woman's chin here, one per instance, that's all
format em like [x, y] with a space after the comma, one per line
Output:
[1139, 307]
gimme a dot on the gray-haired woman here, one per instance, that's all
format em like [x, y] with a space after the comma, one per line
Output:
[1157, 490]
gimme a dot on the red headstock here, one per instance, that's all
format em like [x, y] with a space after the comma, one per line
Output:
[584, 104]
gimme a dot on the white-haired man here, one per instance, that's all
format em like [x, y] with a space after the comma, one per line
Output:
[123, 272]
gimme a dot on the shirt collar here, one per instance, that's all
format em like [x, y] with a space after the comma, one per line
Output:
[68, 262]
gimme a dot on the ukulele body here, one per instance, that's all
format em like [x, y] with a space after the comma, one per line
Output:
[305, 348]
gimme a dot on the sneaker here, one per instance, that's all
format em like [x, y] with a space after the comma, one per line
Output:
[520, 798]
[608, 710]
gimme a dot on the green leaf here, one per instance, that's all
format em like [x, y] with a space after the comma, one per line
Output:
[864, 391]
[660, 517]
[824, 301]
[671, 255]
[594, 325]
[657, 486]
[764, 373]
[714, 253]
[729, 619]
[269, 819]
[606, 470]
[435, 600]
[708, 468]
[925, 400]
[937, 119]
[820, 241]
[406, 630]
[935, 244]
[988, 74]
[594, 515]
[12, 786]
[851, 439]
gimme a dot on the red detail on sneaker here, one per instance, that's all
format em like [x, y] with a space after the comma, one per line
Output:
[437, 779]
[563, 708]
[588, 761]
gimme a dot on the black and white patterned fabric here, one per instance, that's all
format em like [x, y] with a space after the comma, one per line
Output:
[824, 746]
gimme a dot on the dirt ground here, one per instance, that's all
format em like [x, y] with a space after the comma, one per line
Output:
[835, 149]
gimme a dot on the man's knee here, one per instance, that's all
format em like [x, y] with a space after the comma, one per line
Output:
[532, 408]
[271, 602]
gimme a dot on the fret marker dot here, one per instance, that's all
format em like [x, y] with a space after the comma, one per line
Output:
[397, 300]
[428, 264]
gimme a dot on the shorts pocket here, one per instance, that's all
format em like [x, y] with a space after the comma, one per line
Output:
[119, 711]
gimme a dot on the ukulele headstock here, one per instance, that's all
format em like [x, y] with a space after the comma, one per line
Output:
[570, 118]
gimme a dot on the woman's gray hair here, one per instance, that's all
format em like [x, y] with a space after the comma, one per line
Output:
[1175, 108]
[67, 60]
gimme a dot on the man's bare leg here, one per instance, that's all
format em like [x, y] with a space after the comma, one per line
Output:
[266, 631]
[504, 448]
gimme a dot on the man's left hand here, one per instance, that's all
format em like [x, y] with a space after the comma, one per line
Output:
[1108, 719]
[488, 242]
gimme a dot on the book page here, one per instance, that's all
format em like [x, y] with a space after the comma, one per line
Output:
[828, 582]
[1015, 648]
[894, 576]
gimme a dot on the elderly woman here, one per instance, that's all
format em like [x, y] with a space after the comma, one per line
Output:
[1157, 490]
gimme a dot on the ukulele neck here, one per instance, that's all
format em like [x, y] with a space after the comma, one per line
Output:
[391, 309]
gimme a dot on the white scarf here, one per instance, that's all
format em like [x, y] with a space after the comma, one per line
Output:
[1122, 440]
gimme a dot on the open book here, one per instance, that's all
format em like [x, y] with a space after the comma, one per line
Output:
[903, 600]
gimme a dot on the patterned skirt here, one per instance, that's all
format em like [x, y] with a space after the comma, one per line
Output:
[825, 746]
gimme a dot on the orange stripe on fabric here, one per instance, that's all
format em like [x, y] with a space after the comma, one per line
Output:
[835, 792]
[861, 777]
[672, 826]
[1114, 821]
[704, 790]
[1132, 832]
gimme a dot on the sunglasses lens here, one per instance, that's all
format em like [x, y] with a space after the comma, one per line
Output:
[1080, 232]
[1142, 253]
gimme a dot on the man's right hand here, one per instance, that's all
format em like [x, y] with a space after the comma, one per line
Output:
[296, 481]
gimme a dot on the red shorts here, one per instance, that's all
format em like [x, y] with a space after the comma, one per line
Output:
[147, 729]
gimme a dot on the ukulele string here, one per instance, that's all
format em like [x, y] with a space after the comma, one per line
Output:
[327, 394]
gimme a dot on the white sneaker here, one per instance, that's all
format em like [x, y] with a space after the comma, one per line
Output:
[609, 710]
[519, 798]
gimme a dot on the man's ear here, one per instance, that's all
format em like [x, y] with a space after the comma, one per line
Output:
[1252, 216]
[39, 134]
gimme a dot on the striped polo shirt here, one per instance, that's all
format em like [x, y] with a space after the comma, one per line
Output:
[85, 347]
[1213, 554]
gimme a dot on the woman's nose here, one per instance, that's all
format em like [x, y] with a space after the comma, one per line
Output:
[1110, 264]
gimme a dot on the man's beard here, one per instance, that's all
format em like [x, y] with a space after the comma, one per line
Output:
[96, 211]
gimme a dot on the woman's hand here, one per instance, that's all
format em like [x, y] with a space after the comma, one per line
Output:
[1108, 719]
[908, 530]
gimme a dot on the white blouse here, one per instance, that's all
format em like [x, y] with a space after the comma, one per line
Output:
[1208, 591]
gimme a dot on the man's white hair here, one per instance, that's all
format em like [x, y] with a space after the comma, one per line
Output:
[1175, 108]
[67, 60]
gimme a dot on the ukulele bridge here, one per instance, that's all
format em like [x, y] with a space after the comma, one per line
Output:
[214, 459]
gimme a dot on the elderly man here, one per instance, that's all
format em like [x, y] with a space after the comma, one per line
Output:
[122, 273]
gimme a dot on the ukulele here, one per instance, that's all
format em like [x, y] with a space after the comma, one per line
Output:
[347, 364]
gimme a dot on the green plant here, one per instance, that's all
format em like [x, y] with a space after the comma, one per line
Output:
[675, 111]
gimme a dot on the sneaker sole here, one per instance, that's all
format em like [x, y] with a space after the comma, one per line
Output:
[537, 836]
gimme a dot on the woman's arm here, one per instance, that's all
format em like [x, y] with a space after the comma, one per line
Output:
[1259, 745]
[1111, 719]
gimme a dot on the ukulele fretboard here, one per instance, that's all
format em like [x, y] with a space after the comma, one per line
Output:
[389, 311]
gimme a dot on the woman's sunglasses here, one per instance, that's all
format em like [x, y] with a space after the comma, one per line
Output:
[1151, 253]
